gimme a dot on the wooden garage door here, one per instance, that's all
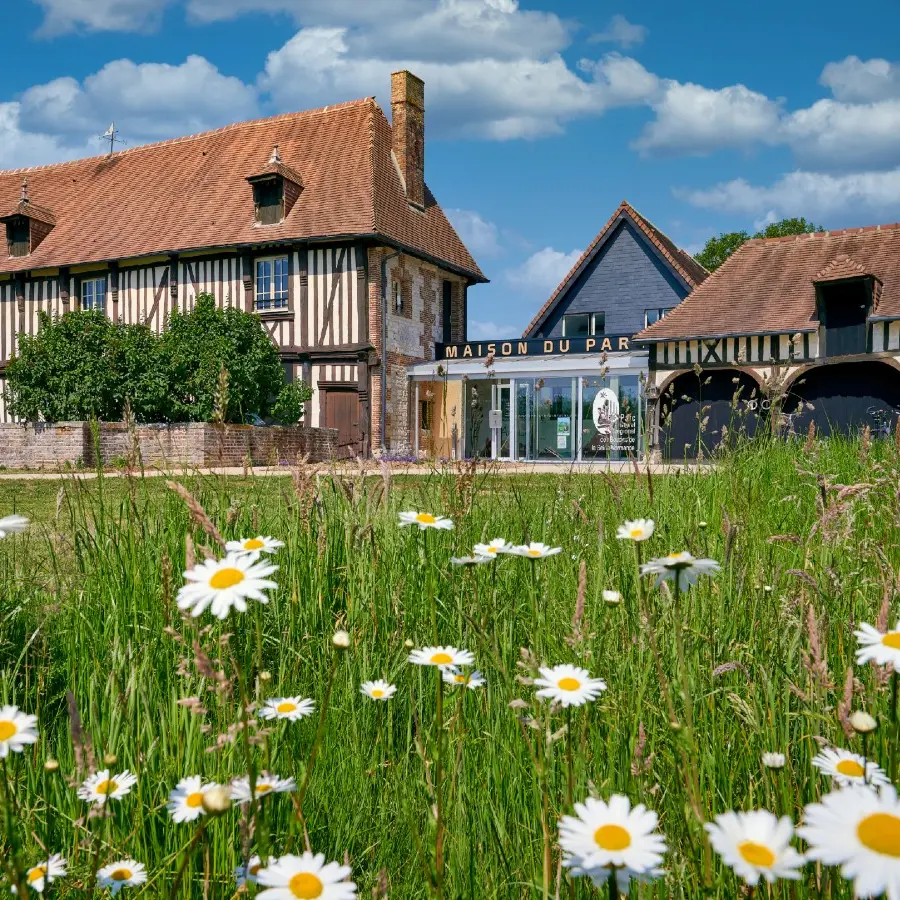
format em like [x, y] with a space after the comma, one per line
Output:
[342, 412]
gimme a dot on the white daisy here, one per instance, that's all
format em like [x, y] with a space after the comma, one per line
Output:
[124, 873]
[613, 834]
[613, 598]
[846, 768]
[266, 783]
[424, 520]
[624, 876]
[773, 760]
[221, 584]
[16, 730]
[686, 568]
[878, 648]
[186, 799]
[859, 830]
[535, 550]
[305, 877]
[472, 681]
[247, 874]
[638, 530]
[39, 876]
[492, 549]
[291, 708]
[12, 525]
[441, 656]
[755, 845]
[254, 545]
[569, 685]
[378, 690]
[470, 560]
[101, 786]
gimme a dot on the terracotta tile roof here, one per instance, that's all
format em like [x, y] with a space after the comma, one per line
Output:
[32, 210]
[683, 263]
[191, 193]
[767, 284]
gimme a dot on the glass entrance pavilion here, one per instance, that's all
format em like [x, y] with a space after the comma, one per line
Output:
[565, 409]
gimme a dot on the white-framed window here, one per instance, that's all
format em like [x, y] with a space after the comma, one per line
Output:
[583, 325]
[397, 292]
[93, 293]
[272, 283]
[654, 315]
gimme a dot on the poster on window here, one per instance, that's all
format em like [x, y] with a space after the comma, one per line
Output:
[615, 426]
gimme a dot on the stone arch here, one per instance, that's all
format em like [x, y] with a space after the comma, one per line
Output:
[696, 412]
[844, 397]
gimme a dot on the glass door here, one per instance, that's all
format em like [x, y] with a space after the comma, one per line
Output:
[501, 421]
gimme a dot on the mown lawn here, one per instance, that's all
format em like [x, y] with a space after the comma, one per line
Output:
[753, 659]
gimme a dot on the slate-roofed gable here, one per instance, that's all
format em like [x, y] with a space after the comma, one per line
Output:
[191, 193]
[769, 284]
[685, 268]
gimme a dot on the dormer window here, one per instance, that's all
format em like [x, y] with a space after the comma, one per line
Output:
[275, 190]
[27, 224]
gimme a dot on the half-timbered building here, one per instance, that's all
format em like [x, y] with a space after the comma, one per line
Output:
[804, 327]
[319, 222]
[570, 389]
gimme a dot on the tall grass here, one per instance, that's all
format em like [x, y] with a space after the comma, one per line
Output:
[88, 606]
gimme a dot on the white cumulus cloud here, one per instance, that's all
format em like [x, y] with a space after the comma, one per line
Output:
[61, 16]
[480, 236]
[853, 80]
[620, 31]
[542, 272]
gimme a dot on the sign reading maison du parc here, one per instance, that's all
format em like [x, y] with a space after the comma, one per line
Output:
[608, 343]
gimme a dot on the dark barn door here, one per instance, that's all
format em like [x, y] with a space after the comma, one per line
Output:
[342, 413]
[695, 410]
[844, 307]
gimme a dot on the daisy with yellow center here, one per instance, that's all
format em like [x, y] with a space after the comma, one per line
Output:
[255, 545]
[219, 585]
[425, 520]
[638, 530]
[291, 708]
[472, 680]
[16, 730]
[441, 657]
[683, 568]
[602, 837]
[535, 550]
[470, 560]
[45, 873]
[12, 525]
[493, 549]
[102, 786]
[186, 799]
[378, 690]
[848, 768]
[568, 685]
[756, 845]
[859, 830]
[306, 877]
[878, 648]
[266, 783]
[124, 873]
[247, 874]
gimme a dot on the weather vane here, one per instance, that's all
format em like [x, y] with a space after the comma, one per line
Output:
[111, 135]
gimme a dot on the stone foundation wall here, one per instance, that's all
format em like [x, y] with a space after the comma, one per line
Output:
[72, 444]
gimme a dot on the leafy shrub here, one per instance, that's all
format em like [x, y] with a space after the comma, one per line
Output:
[291, 403]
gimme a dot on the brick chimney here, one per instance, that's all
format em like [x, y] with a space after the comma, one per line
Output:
[408, 128]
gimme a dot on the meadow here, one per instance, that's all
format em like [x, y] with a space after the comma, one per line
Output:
[447, 789]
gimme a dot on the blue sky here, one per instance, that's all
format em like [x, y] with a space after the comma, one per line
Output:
[541, 114]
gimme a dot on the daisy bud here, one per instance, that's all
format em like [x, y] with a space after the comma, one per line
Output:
[216, 800]
[773, 760]
[768, 588]
[110, 759]
[409, 644]
[341, 640]
[518, 704]
[862, 722]
[51, 765]
[675, 726]
[613, 598]
[265, 676]
[703, 524]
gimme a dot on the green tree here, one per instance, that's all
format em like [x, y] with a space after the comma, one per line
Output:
[82, 365]
[291, 403]
[718, 249]
[195, 348]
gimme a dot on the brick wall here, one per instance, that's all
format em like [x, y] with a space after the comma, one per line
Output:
[40, 446]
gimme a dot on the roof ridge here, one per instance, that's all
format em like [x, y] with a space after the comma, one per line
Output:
[183, 139]
[819, 235]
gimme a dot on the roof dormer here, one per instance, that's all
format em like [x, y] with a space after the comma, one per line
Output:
[27, 224]
[275, 190]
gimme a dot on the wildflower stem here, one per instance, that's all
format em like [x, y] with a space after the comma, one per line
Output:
[320, 731]
[896, 737]
[186, 858]
[15, 873]
[545, 807]
[613, 885]
[570, 786]
[262, 837]
[438, 786]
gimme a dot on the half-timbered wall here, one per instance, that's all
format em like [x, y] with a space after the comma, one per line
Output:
[759, 348]
[885, 336]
